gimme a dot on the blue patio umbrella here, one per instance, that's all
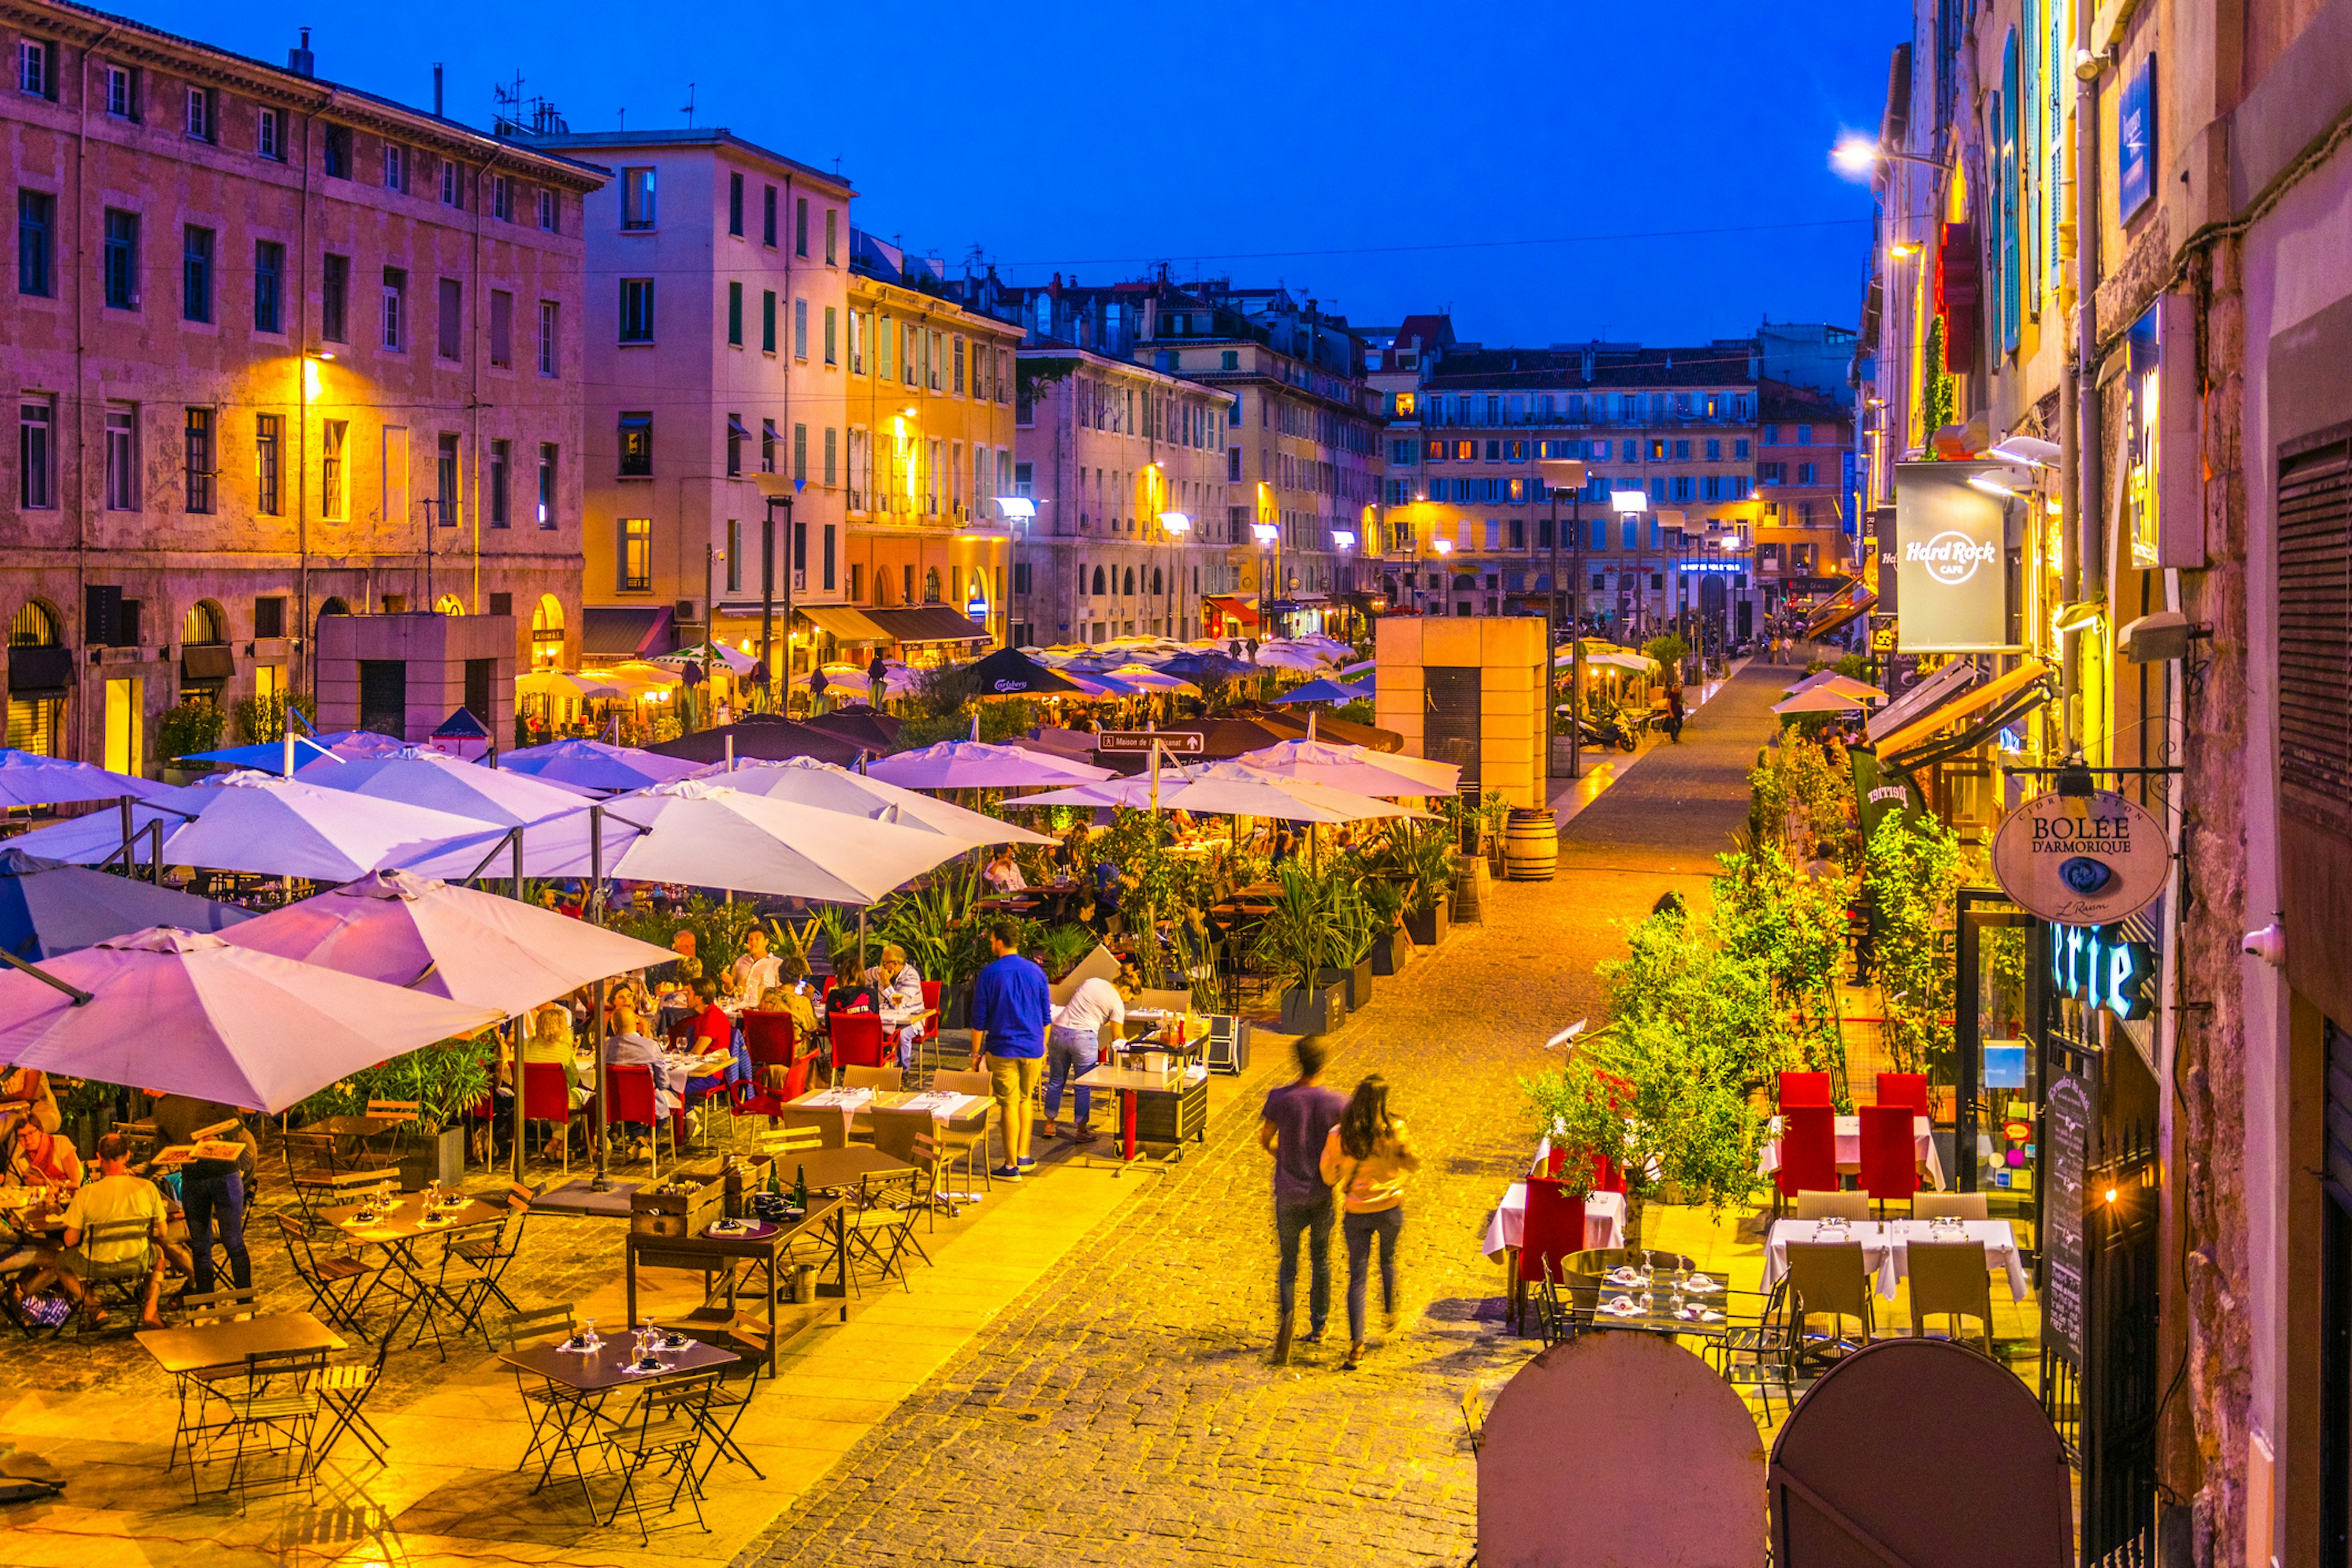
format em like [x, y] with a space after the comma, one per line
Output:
[1321, 691]
[270, 756]
[48, 906]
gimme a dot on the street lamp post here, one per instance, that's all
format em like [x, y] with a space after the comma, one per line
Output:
[1344, 541]
[778, 692]
[1269, 539]
[1174, 525]
[1557, 472]
[711, 556]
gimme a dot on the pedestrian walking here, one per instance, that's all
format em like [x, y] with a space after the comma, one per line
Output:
[1011, 1006]
[1367, 1158]
[1674, 714]
[1298, 1120]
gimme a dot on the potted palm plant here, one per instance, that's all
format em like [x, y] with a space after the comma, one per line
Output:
[445, 1081]
[1353, 929]
[1295, 942]
[1390, 947]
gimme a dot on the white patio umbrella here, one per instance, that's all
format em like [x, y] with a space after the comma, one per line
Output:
[597, 765]
[189, 1013]
[1228, 789]
[1843, 685]
[443, 782]
[1147, 678]
[1361, 667]
[831, 788]
[1358, 769]
[1821, 700]
[735, 660]
[565, 683]
[1279, 655]
[707, 834]
[1617, 659]
[28, 778]
[980, 764]
[427, 936]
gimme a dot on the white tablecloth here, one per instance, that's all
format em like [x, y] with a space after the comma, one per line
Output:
[1885, 1249]
[1849, 1148]
[1604, 1221]
[945, 1105]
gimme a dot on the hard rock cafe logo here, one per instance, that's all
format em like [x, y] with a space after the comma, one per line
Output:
[1951, 557]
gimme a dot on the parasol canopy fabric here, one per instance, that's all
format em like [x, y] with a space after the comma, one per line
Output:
[1821, 700]
[48, 906]
[28, 778]
[1144, 678]
[570, 683]
[596, 764]
[1228, 789]
[270, 756]
[443, 782]
[1320, 690]
[734, 660]
[188, 1013]
[979, 764]
[1843, 685]
[807, 782]
[1008, 672]
[1358, 769]
[430, 937]
[708, 835]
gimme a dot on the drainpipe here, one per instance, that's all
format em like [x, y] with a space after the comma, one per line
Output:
[2086, 567]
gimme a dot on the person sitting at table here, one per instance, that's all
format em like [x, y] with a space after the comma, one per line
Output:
[711, 1030]
[898, 987]
[629, 1045]
[750, 975]
[791, 994]
[117, 1194]
[547, 1037]
[40, 1159]
[1003, 874]
[1109, 883]
[212, 1191]
[24, 1091]
[681, 942]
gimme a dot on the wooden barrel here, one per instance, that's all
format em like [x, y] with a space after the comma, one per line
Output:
[1530, 846]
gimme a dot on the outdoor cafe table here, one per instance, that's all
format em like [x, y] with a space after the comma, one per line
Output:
[1131, 1084]
[588, 1379]
[397, 1230]
[1604, 1227]
[351, 1129]
[206, 1346]
[1849, 1148]
[764, 1244]
[822, 1168]
[944, 1104]
[1886, 1248]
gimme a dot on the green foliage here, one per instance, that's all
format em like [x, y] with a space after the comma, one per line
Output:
[842, 952]
[1360, 711]
[1295, 940]
[1415, 857]
[445, 1081]
[1935, 399]
[1802, 790]
[1910, 872]
[719, 930]
[1669, 649]
[1791, 930]
[193, 724]
[939, 924]
[1057, 948]
[261, 718]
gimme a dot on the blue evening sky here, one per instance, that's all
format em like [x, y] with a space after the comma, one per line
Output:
[1670, 156]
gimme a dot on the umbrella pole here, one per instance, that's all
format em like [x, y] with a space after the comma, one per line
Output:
[44, 976]
[516, 1131]
[601, 1182]
[130, 859]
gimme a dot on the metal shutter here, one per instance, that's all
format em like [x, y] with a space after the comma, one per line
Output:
[2315, 587]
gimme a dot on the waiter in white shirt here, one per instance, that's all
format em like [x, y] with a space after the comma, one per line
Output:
[749, 976]
[1074, 1047]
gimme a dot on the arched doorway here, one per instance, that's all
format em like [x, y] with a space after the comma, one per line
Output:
[334, 607]
[39, 665]
[205, 661]
[449, 605]
[547, 632]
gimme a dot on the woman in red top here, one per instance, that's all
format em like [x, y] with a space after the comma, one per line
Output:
[713, 1030]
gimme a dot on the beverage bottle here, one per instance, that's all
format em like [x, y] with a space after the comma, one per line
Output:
[800, 1188]
[734, 1200]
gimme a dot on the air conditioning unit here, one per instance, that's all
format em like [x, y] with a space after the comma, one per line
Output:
[689, 609]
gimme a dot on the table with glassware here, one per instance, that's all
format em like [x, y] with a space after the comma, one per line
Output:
[584, 1371]
[718, 1249]
[1647, 1299]
[1886, 1247]
[397, 1227]
[944, 1104]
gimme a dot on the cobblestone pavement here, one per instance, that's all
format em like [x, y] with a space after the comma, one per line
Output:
[1123, 1412]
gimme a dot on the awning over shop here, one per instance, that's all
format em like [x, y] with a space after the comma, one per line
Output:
[1829, 617]
[39, 671]
[623, 631]
[1232, 608]
[927, 623]
[1952, 727]
[206, 663]
[845, 625]
[1909, 707]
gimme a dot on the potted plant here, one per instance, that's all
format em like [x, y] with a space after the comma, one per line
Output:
[1349, 918]
[1295, 942]
[1429, 896]
[1390, 947]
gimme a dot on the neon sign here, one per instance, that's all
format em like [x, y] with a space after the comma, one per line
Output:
[2100, 970]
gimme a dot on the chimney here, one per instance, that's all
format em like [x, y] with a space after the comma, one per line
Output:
[298, 58]
[437, 90]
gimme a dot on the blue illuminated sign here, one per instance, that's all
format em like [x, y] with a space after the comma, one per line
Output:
[2135, 140]
[2100, 969]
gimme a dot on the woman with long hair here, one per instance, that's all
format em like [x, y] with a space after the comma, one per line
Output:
[1367, 1158]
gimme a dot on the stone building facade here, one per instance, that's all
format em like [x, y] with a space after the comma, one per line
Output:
[281, 349]
[1126, 468]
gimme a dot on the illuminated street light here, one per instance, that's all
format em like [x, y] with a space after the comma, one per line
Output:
[2002, 482]
[1860, 155]
[1176, 522]
[1629, 501]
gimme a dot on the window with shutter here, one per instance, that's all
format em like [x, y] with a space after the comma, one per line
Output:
[2315, 602]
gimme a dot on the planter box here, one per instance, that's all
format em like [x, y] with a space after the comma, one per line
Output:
[955, 1006]
[1316, 1012]
[1392, 953]
[1355, 985]
[440, 1158]
[1429, 929]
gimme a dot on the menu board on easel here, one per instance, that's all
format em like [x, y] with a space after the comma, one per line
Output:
[2067, 1127]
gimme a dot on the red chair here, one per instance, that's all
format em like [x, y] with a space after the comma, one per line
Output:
[856, 1039]
[547, 1097]
[1808, 1151]
[630, 1085]
[1608, 1175]
[1908, 1088]
[1553, 1230]
[771, 1037]
[1804, 1088]
[932, 991]
[1890, 1153]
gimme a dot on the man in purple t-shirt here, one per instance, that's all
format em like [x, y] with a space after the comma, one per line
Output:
[1297, 1120]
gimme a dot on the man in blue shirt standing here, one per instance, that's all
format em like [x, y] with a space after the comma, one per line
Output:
[1011, 1006]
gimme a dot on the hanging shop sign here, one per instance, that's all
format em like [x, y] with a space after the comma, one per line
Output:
[2135, 140]
[1951, 566]
[2081, 860]
[2099, 968]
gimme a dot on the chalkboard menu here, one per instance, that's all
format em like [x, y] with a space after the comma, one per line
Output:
[2065, 1150]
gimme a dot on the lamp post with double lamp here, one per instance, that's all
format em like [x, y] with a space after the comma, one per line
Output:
[1559, 473]
[1269, 541]
[1174, 526]
[1343, 540]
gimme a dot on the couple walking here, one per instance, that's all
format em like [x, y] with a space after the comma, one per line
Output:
[1322, 1143]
